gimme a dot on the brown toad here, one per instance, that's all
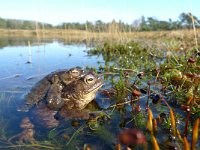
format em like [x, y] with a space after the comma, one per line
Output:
[50, 87]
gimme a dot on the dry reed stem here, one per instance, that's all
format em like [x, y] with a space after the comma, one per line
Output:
[173, 122]
[155, 143]
[194, 29]
[195, 133]
[149, 125]
[186, 144]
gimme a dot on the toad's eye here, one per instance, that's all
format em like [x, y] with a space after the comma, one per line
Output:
[89, 79]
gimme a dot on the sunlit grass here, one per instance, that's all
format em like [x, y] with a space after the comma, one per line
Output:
[162, 39]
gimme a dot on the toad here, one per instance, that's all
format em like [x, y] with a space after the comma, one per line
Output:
[49, 86]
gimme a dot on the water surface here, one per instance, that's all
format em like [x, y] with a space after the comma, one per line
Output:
[22, 66]
[44, 59]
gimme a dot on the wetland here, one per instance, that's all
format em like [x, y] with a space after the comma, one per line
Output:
[150, 98]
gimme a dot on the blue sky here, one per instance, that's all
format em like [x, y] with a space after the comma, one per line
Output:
[58, 11]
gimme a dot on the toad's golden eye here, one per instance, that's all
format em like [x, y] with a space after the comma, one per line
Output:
[89, 79]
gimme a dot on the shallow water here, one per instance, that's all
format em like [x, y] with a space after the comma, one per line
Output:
[22, 66]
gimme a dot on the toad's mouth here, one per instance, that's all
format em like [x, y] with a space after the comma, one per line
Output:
[95, 87]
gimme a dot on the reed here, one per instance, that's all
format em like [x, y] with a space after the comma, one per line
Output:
[114, 35]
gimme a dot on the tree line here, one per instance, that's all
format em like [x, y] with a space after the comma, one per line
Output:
[185, 20]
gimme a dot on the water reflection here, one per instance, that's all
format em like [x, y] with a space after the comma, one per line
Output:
[24, 41]
[44, 59]
[23, 65]
[19, 41]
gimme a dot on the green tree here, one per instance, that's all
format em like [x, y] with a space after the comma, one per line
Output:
[89, 26]
[28, 25]
[10, 24]
[2, 23]
[144, 26]
[163, 25]
[186, 20]
[153, 23]
[99, 26]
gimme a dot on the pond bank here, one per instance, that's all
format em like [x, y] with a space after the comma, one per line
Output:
[78, 36]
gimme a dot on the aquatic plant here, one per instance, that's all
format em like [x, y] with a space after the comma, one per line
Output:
[168, 77]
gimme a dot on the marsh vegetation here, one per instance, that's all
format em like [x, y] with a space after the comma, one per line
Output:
[151, 96]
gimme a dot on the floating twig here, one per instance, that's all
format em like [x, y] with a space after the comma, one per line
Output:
[127, 102]
[124, 69]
